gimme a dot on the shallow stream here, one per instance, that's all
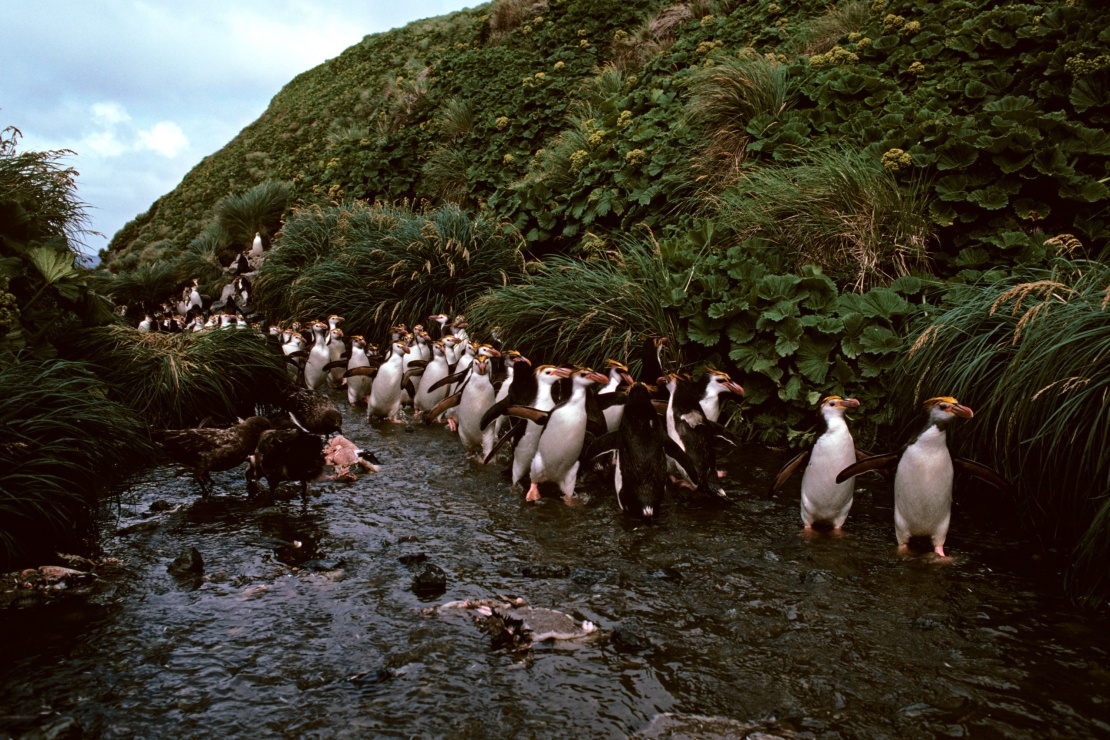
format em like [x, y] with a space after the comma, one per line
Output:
[305, 624]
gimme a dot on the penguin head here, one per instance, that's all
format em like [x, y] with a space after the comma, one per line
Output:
[718, 382]
[334, 321]
[484, 350]
[438, 348]
[549, 373]
[481, 365]
[358, 341]
[836, 403]
[618, 370]
[942, 410]
[585, 377]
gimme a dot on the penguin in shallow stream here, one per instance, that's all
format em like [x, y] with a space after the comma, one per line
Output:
[824, 501]
[695, 434]
[642, 448]
[923, 473]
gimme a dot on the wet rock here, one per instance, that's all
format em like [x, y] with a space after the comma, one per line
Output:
[159, 506]
[816, 576]
[430, 581]
[768, 555]
[588, 576]
[321, 565]
[369, 678]
[412, 558]
[664, 574]
[676, 725]
[408, 538]
[188, 563]
[927, 622]
[792, 613]
[546, 570]
[58, 728]
[630, 637]
[148, 526]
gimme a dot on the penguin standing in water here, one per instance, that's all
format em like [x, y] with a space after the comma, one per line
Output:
[477, 397]
[337, 351]
[824, 501]
[564, 433]
[425, 399]
[315, 375]
[642, 448]
[385, 393]
[923, 473]
[618, 375]
[359, 373]
[695, 435]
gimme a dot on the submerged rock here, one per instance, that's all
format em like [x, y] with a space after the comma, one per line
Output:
[517, 625]
[630, 636]
[188, 563]
[431, 580]
[546, 570]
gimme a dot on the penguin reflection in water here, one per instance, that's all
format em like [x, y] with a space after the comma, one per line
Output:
[923, 473]
[825, 503]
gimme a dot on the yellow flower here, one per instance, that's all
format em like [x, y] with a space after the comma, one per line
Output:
[559, 65]
[896, 160]
[508, 159]
[579, 159]
[917, 68]
[501, 122]
[636, 156]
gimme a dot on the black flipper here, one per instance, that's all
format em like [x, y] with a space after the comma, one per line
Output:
[298, 353]
[368, 372]
[878, 462]
[493, 412]
[605, 400]
[788, 470]
[500, 443]
[439, 408]
[529, 413]
[418, 363]
[721, 432]
[334, 364]
[409, 387]
[659, 406]
[982, 471]
[605, 443]
[406, 379]
[676, 453]
[448, 380]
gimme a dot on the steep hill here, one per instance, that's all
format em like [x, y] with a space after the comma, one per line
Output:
[1002, 108]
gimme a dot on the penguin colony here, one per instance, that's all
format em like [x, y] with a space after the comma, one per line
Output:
[547, 422]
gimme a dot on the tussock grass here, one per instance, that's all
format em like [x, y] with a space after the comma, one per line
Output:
[148, 284]
[840, 210]
[1031, 355]
[445, 176]
[62, 443]
[377, 265]
[176, 380]
[259, 210]
[457, 118]
[584, 312]
[726, 101]
[821, 33]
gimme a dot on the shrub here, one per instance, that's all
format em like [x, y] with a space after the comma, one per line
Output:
[62, 444]
[257, 210]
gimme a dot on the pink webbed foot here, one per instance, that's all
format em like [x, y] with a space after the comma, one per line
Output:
[452, 425]
[533, 493]
[720, 474]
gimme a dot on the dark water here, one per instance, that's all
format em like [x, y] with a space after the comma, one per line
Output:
[827, 637]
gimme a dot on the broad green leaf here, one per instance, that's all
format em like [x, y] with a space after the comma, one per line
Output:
[878, 340]
[812, 359]
[787, 335]
[883, 303]
[53, 265]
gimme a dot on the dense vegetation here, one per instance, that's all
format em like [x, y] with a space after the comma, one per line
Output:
[874, 199]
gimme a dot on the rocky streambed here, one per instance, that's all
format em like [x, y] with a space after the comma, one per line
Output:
[315, 619]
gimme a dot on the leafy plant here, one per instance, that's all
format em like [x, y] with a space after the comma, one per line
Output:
[62, 445]
[257, 210]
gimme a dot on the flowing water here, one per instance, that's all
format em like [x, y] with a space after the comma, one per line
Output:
[305, 623]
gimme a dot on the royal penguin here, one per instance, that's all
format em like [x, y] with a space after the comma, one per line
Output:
[713, 387]
[618, 376]
[923, 473]
[642, 447]
[360, 372]
[477, 397]
[425, 399]
[651, 359]
[825, 503]
[337, 350]
[546, 377]
[385, 392]
[695, 435]
[564, 434]
[315, 374]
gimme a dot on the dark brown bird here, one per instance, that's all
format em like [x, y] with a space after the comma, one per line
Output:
[286, 454]
[313, 411]
[205, 450]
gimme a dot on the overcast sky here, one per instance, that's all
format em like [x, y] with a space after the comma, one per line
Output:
[143, 90]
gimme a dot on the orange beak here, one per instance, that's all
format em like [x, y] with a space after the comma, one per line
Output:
[962, 411]
[734, 387]
[848, 403]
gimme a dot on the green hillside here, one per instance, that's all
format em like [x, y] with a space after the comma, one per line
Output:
[875, 199]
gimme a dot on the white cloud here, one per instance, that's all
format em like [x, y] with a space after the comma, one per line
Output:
[101, 143]
[166, 138]
[110, 113]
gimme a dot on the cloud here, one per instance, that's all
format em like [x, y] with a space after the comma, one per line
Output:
[110, 113]
[166, 138]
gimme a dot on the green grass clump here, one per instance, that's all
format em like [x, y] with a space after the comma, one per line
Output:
[176, 380]
[62, 444]
[378, 265]
[1030, 355]
[584, 312]
[258, 210]
[841, 210]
